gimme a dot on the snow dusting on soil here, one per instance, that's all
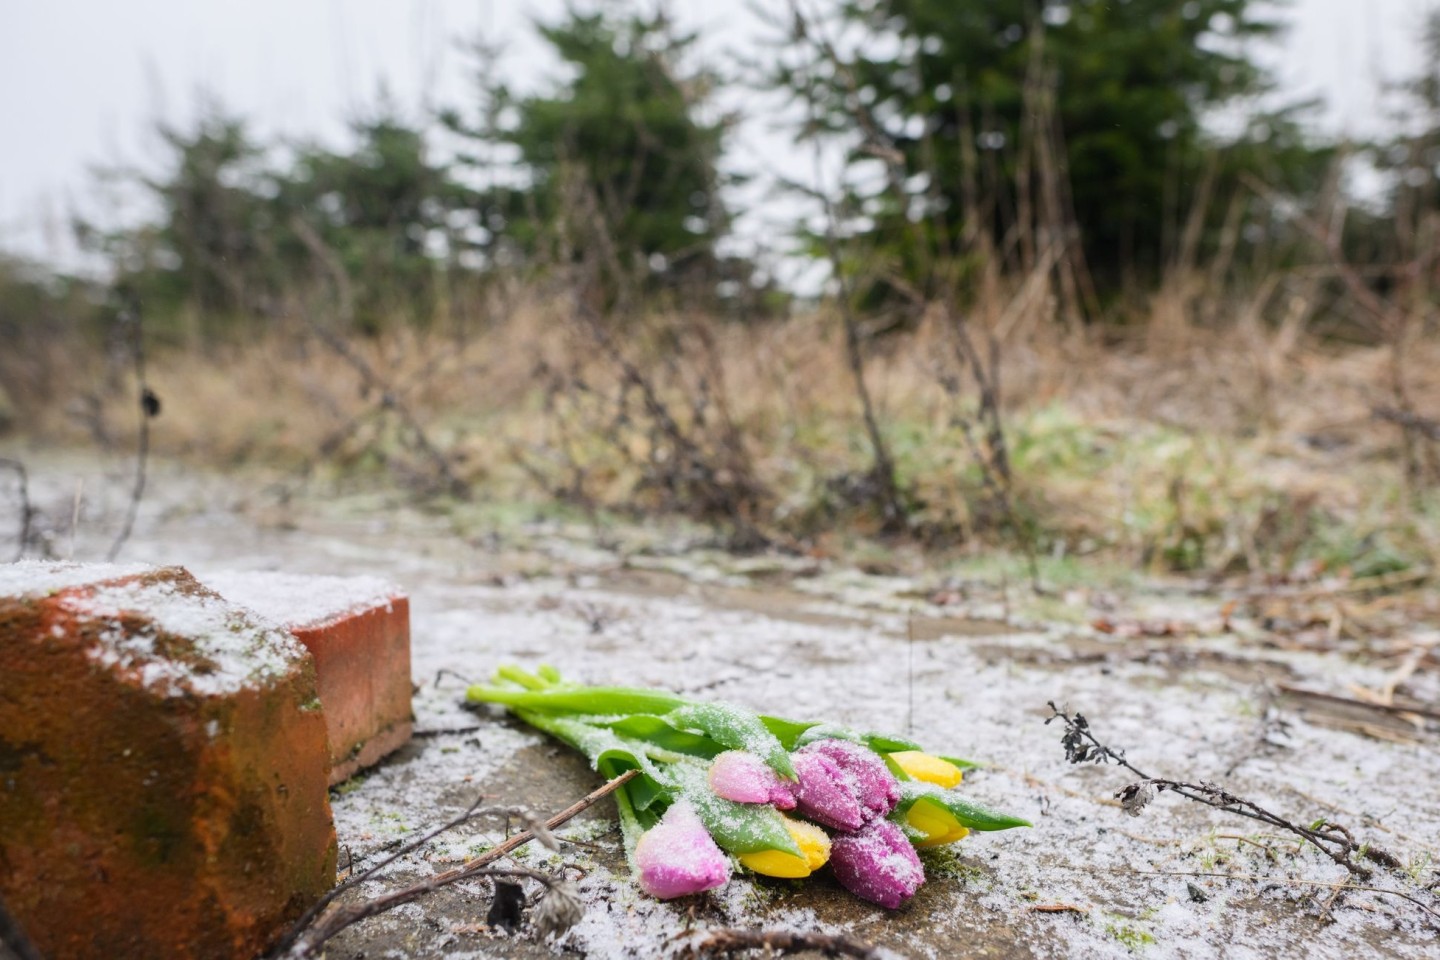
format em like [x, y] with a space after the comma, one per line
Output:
[971, 678]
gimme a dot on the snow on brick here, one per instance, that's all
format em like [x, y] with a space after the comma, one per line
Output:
[358, 630]
[297, 600]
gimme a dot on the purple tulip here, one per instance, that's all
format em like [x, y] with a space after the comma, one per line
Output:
[843, 785]
[744, 778]
[877, 864]
[677, 856]
[823, 795]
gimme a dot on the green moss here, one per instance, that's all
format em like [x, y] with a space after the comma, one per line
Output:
[1126, 931]
[947, 863]
[348, 787]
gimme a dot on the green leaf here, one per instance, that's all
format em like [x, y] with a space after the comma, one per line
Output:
[828, 731]
[738, 828]
[970, 815]
[959, 762]
[732, 727]
[888, 743]
[609, 754]
[788, 732]
[657, 731]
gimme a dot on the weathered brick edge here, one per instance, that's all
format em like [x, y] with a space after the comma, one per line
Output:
[362, 667]
[137, 823]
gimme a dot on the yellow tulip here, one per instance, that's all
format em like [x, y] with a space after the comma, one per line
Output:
[938, 824]
[931, 769]
[814, 846]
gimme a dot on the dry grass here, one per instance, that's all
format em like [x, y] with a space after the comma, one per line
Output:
[1209, 437]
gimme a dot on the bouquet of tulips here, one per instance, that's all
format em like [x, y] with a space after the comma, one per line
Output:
[781, 797]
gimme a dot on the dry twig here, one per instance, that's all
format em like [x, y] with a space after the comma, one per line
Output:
[149, 409]
[1332, 839]
[324, 920]
[27, 511]
[371, 381]
[1298, 881]
[13, 938]
[732, 940]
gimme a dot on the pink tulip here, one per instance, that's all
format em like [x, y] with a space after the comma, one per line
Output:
[843, 785]
[677, 856]
[877, 864]
[744, 778]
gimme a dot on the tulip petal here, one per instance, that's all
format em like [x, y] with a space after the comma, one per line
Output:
[824, 794]
[869, 780]
[936, 825]
[677, 856]
[744, 778]
[927, 768]
[814, 845]
[877, 864]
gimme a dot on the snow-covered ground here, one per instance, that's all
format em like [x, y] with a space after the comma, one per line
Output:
[974, 679]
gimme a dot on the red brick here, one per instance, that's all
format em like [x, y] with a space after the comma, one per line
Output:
[358, 630]
[163, 767]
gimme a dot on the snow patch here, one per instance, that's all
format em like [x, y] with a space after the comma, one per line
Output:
[300, 601]
[225, 649]
[39, 578]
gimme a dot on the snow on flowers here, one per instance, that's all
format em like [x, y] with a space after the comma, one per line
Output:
[720, 785]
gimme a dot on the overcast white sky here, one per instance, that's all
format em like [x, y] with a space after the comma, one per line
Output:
[82, 82]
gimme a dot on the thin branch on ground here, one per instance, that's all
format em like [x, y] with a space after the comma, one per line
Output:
[1409, 421]
[27, 510]
[149, 409]
[732, 940]
[1332, 839]
[14, 938]
[324, 920]
[1299, 881]
[1419, 710]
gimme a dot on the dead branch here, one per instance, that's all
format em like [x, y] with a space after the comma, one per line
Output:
[1332, 839]
[27, 510]
[668, 422]
[324, 920]
[1057, 908]
[732, 940]
[370, 380]
[149, 409]
[1420, 710]
[1409, 422]
[887, 495]
[13, 938]
[1299, 881]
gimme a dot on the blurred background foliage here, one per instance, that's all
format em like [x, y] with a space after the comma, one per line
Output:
[1098, 127]
[1061, 188]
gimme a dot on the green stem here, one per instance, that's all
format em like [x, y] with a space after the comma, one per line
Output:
[594, 700]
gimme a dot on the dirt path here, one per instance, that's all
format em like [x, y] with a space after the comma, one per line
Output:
[1191, 687]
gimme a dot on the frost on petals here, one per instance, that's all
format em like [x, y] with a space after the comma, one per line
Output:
[677, 856]
[744, 778]
[877, 864]
[843, 785]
